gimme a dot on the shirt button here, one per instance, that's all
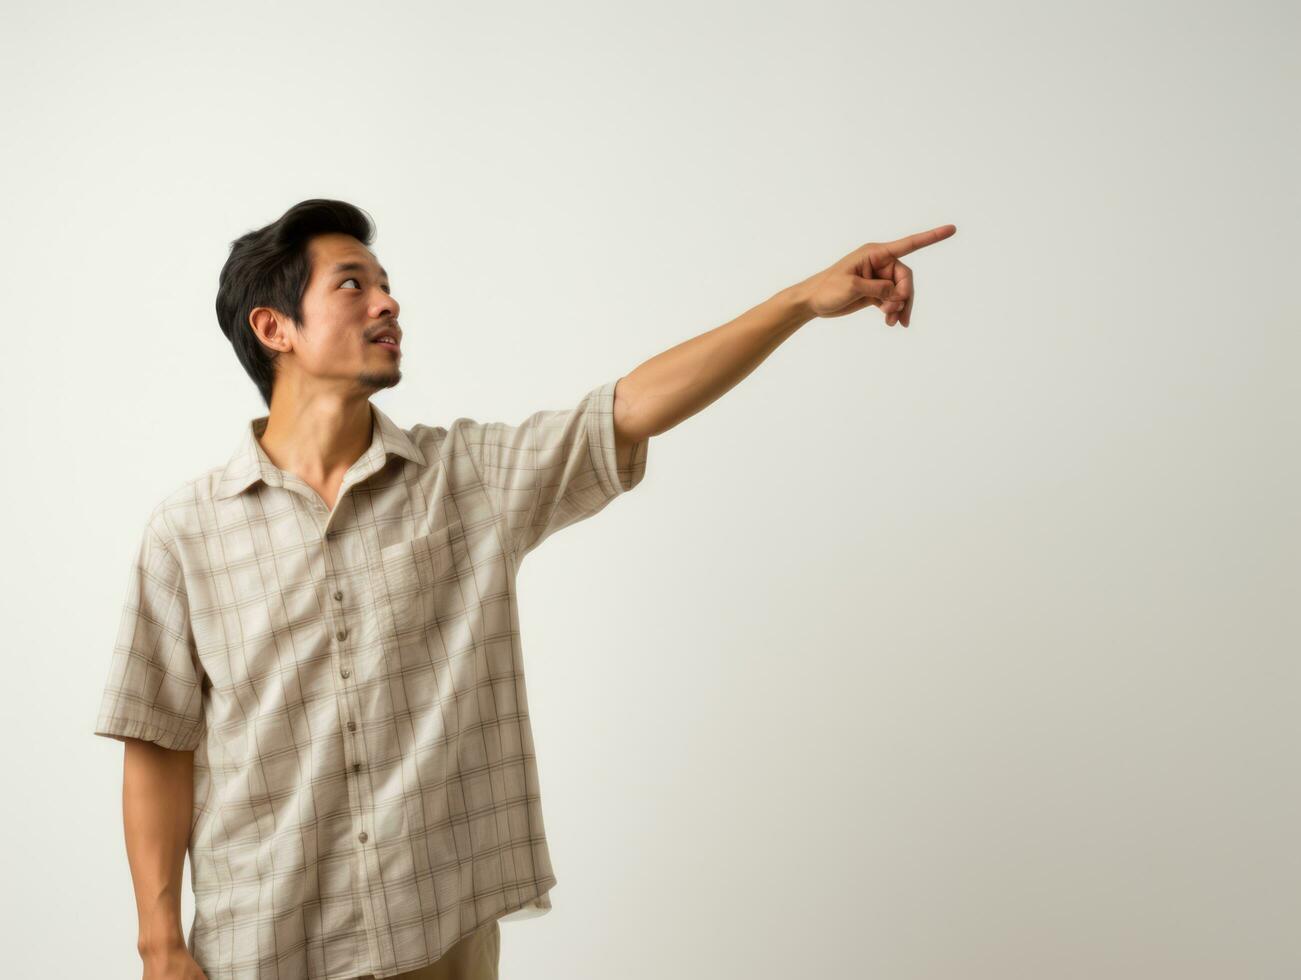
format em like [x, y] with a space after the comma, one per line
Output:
[362, 837]
[352, 726]
[338, 595]
[345, 672]
[341, 634]
[356, 766]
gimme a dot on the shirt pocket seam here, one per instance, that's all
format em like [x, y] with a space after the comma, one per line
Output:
[409, 569]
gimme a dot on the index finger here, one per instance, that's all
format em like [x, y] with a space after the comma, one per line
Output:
[910, 243]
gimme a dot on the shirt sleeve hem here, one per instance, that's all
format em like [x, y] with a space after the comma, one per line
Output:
[614, 481]
[186, 740]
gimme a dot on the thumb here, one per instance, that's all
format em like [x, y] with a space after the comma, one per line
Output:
[879, 289]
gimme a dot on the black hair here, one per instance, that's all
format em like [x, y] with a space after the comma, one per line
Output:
[271, 267]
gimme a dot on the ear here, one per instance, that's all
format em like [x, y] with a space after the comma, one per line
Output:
[271, 329]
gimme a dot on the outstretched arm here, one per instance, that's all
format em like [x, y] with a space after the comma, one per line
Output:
[678, 383]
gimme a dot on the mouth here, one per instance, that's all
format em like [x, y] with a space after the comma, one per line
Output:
[389, 343]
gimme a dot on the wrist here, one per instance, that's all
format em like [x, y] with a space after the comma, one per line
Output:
[160, 938]
[796, 300]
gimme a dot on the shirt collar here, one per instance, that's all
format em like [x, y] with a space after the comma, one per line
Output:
[250, 462]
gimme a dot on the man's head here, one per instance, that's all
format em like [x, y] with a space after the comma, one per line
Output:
[306, 296]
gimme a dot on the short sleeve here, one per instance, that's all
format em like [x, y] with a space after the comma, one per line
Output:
[155, 679]
[555, 468]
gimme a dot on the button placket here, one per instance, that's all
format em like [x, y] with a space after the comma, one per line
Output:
[341, 628]
[352, 762]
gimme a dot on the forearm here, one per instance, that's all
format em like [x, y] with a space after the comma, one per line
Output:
[681, 381]
[157, 802]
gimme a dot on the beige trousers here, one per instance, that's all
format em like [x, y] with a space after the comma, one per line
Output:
[475, 957]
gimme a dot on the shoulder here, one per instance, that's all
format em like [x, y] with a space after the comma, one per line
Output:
[182, 510]
[432, 441]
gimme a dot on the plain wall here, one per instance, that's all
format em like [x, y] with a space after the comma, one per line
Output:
[965, 651]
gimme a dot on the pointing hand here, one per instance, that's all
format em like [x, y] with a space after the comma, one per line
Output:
[871, 275]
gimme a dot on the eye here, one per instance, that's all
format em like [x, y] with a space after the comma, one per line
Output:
[354, 279]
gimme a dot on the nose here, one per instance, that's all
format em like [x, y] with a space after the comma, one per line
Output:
[383, 301]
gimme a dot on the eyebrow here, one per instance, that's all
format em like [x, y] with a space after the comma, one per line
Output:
[356, 267]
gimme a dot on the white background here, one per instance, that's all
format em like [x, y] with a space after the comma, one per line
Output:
[962, 651]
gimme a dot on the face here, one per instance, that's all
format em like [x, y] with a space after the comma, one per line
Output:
[347, 306]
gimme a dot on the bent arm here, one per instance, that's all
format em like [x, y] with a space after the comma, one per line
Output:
[674, 385]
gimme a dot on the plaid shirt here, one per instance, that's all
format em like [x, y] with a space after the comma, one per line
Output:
[352, 685]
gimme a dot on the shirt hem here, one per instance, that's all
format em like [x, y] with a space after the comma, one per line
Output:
[547, 884]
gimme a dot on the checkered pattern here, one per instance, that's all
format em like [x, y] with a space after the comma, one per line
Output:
[351, 684]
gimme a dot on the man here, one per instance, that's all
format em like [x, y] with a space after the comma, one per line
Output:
[318, 675]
